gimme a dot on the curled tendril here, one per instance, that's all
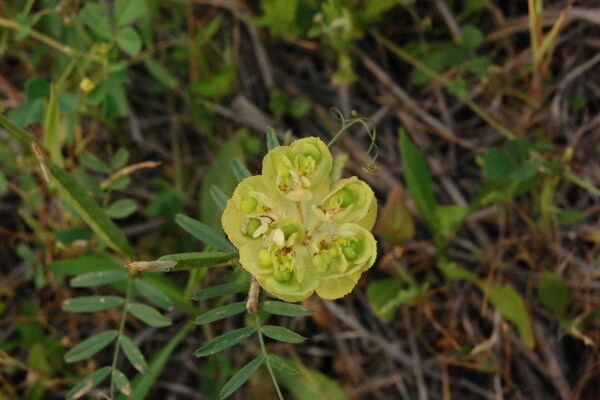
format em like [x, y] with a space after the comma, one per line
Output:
[369, 126]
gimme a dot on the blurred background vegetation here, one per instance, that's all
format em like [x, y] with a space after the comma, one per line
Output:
[487, 284]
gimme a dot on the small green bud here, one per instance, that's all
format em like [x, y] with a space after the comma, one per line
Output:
[249, 204]
[282, 274]
[264, 258]
[345, 197]
[252, 226]
[350, 251]
[322, 261]
[288, 230]
[333, 252]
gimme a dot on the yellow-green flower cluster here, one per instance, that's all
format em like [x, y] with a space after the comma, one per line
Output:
[297, 234]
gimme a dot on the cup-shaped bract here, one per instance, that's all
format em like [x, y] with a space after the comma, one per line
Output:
[300, 170]
[250, 211]
[283, 271]
[350, 200]
[294, 234]
[340, 256]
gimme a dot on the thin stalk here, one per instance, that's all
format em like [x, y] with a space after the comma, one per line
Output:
[128, 292]
[266, 358]
[300, 214]
[39, 36]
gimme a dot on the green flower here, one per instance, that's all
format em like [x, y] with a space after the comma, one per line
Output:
[294, 234]
[251, 211]
[340, 256]
[300, 170]
[350, 200]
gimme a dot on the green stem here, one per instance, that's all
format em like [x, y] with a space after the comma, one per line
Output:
[128, 292]
[266, 358]
[39, 36]
[581, 183]
[300, 213]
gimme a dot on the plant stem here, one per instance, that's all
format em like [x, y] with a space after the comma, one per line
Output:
[39, 36]
[128, 292]
[300, 214]
[266, 358]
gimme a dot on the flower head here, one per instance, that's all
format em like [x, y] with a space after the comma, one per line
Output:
[295, 233]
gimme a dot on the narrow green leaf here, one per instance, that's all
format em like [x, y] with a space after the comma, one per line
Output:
[418, 181]
[221, 174]
[219, 197]
[98, 278]
[94, 163]
[133, 354]
[89, 211]
[282, 334]
[452, 271]
[204, 233]
[220, 290]
[451, 216]
[148, 314]
[282, 308]
[153, 294]
[88, 383]
[198, 260]
[239, 169]
[225, 341]
[272, 140]
[240, 377]
[128, 11]
[121, 382]
[142, 384]
[85, 304]
[84, 264]
[282, 365]
[510, 304]
[161, 73]
[16, 131]
[173, 290]
[121, 208]
[90, 346]
[221, 312]
[130, 41]
[51, 127]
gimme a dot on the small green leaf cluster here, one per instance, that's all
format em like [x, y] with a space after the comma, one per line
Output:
[230, 339]
[95, 303]
[296, 233]
[442, 55]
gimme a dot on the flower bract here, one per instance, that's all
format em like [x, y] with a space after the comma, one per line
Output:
[296, 233]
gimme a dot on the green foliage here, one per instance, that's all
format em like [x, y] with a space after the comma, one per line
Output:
[510, 303]
[553, 292]
[418, 181]
[386, 295]
[283, 104]
[240, 377]
[225, 341]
